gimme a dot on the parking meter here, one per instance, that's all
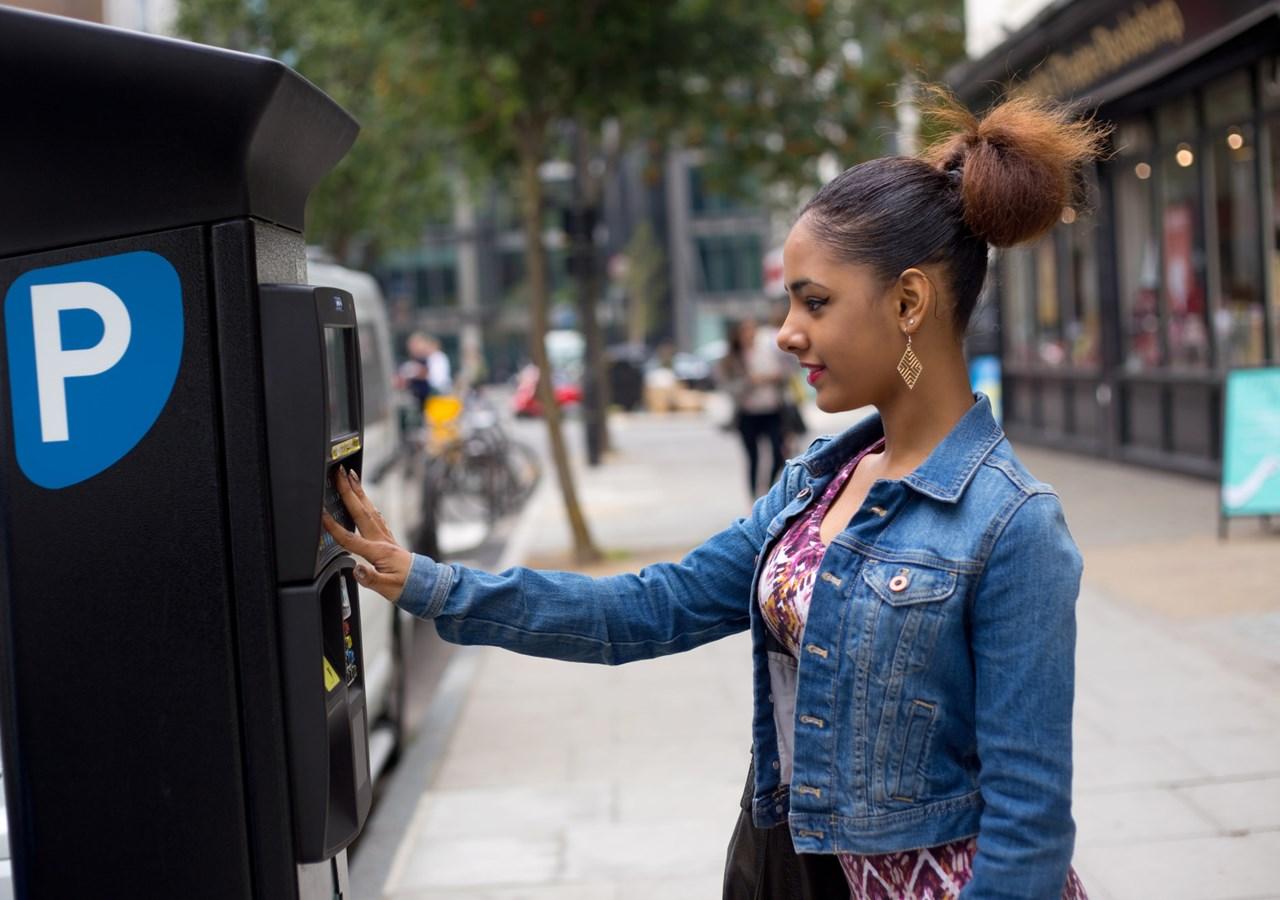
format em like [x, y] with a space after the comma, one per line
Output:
[181, 681]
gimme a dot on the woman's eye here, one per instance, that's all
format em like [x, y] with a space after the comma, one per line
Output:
[814, 303]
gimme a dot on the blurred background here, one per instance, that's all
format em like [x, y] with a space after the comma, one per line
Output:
[576, 201]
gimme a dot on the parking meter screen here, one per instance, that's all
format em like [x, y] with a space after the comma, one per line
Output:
[337, 346]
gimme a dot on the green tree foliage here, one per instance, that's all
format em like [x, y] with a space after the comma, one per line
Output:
[389, 185]
[824, 82]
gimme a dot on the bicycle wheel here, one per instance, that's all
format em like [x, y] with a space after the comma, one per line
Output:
[461, 494]
[524, 469]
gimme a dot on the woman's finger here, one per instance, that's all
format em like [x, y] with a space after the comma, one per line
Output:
[357, 486]
[389, 585]
[359, 509]
[348, 540]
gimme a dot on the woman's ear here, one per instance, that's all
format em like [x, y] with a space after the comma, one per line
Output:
[916, 298]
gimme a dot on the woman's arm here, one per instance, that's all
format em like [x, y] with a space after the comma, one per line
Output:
[1024, 631]
[663, 609]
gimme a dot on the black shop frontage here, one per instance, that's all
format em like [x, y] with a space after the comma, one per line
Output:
[1118, 327]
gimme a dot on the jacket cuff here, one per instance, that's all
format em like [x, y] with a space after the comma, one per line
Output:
[426, 587]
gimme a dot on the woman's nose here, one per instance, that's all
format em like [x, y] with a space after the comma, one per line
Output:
[790, 339]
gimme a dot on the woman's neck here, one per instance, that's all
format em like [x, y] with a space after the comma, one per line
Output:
[915, 422]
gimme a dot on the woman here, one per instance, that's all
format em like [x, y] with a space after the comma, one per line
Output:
[753, 377]
[909, 586]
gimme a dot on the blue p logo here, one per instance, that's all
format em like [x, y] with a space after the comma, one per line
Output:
[94, 348]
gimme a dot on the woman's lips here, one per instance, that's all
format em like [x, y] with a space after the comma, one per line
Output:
[815, 372]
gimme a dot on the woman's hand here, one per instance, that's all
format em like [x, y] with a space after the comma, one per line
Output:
[388, 562]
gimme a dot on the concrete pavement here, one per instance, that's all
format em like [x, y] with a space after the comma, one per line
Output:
[569, 781]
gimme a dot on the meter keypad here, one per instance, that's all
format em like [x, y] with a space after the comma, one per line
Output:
[335, 507]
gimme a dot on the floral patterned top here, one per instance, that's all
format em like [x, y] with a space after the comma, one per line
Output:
[786, 589]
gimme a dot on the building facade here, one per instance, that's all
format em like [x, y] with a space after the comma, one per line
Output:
[469, 272]
[1118, 327]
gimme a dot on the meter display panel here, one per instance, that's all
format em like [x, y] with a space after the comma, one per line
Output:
[337, 347]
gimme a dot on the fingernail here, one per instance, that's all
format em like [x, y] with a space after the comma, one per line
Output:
[355, 475]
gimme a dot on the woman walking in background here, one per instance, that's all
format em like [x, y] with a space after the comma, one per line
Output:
[756, 383]
[909, 586]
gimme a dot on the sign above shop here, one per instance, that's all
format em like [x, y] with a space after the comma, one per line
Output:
[1109, 49]
[1081, 50]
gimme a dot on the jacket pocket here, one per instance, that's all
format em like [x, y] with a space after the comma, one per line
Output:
[903, 584]
[905, 784]
[909, 588]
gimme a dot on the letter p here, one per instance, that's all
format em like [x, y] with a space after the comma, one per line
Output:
[55, 365]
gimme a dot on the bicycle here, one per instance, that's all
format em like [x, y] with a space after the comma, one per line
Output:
[474, 470]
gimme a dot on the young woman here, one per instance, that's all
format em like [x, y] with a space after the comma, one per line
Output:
[755, 380]
[910, 588]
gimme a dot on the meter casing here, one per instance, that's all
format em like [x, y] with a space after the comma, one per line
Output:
[169, 724]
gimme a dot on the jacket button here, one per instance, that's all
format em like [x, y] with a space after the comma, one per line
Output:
[804, 492]
[899, 582]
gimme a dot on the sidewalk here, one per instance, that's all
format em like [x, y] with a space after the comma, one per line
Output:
[568, 781]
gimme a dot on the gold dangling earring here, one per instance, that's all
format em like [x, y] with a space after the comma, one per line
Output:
[910, 367]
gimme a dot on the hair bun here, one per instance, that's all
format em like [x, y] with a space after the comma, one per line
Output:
[1017, 164]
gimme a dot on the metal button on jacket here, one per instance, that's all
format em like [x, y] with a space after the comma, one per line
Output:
[899, 582]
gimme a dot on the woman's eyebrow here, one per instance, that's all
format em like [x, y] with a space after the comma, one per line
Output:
[805, 282]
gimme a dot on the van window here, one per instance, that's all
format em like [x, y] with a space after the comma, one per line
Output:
[374, 372]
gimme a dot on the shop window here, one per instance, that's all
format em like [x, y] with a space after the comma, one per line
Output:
[1017, 288]
[1138, 261]
[1133, 137]
[1050, 348]
[1271, 83]
[1176, 120]
[1183, 246]
[1229, 100]
[1238, 318]
[1081, 317]
[1273, 242]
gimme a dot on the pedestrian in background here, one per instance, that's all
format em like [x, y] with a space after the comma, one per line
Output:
[910, 587]
[427, 372]
[755, 380]
[794, 427]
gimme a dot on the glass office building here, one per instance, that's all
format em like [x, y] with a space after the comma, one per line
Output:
[1117, 328]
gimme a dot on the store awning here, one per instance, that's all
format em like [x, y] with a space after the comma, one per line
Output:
[1094, 51]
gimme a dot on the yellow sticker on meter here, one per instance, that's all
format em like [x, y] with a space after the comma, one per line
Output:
[346, 448]
[331, 678]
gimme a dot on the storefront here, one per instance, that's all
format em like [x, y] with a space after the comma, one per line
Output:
[1118, 327]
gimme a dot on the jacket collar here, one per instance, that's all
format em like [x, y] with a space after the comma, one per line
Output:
[944, 474]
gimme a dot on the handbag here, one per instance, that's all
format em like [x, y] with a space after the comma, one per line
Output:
[762, 863]
[792, 421]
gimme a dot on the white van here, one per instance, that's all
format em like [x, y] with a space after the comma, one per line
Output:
[386, 630]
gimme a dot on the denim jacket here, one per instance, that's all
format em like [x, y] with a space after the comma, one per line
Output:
[933, 694]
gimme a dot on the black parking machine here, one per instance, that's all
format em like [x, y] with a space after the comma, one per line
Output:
[182, 705]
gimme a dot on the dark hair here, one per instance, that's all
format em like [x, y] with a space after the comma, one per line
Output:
[998, 181]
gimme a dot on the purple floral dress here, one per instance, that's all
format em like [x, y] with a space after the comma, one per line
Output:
[786, 589]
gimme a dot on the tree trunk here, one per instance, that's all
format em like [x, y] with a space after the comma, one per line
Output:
[531, 146]
[587, 194]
